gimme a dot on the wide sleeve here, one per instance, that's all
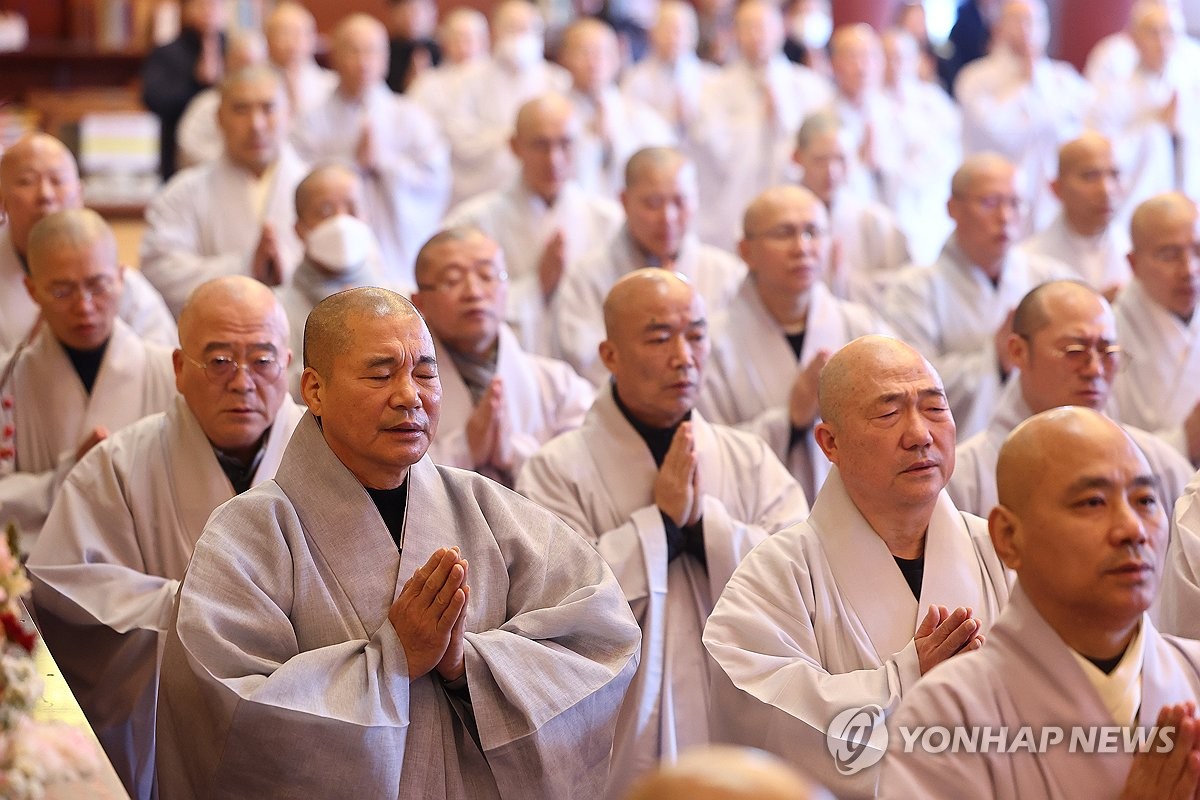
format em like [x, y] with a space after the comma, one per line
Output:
[144, 310]
[26, 497]
[1174, 609]
[577, 326]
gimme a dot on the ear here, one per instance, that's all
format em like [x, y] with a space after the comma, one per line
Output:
[177, 363]
[743, 246]
[512, 145]
[29, 287]
[608, 355]
[418, 300]
[1133, 265]
[1004, 528]
[953, 208]
[826, 439]
[1055, 187]
[1018, 351]
[312, 390]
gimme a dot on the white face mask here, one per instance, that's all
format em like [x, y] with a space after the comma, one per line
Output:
[812, 29]
[340, 243]
[522, 50]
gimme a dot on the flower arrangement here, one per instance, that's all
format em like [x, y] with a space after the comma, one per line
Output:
[32, 754]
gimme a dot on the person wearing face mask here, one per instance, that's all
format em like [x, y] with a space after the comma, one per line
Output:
[809, 27]
[340, 251]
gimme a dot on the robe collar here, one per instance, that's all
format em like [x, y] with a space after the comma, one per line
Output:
[628, 256]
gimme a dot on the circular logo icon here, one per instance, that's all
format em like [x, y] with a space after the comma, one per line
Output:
[857, 738]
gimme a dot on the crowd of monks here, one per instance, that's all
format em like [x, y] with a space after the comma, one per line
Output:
[522, 433]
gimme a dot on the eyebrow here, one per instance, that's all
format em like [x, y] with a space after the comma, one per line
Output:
[212, 346]
[1100, 482]
[924, 394]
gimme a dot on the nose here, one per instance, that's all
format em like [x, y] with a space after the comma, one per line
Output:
[405, 393]
[916, 431]
[1131, 525]
[46, 191]
[241, 381]
[682, 355]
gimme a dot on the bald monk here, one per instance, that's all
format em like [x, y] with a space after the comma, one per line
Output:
[38, 176]
[1080, 523]
[884, 581]
[671, 502]
[1066, 351]
[85, 374]
[370, 620]
[121, 531]
[725, 773]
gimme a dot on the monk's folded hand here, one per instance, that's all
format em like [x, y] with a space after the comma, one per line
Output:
[802, 400]
[483, 426]
[674, 489]
[97, 435]
[429, 605]
[1172, 775]
[452, 666]
[943, 633]
[267, 264]
[552, 263]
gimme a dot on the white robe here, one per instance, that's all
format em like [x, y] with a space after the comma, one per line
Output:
[669, 88]
[198, 137]
[751, 369]
[1100, 261]
[521, 223]
[950, 312]
[202, 225]
[871, 248]
[1115, 57]
[819, 618]
[1160, 385]
[141, 306]
[1174, 609]
[314, 84]
[283, 677]
[577, 308]
[880, 116]
[407, 191]
[973, 485]
[543, 397]
[110, 558]
[1026, 121]
[1027, 676]
[600, 480]
[46, 413]
[629, 125]
[739, 152]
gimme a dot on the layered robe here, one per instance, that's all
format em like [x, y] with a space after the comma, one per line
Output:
[672, 89]
[110, 558]
[522, 223]
[1115, 57]
[950, 313]
[1160, 384]
[751, 369]
[1027, 676]
[869, 122]
[1174, 609]
[973, 485]
[198, 137]
[1100, 261]
[46, 413]
[141, 306]
[441, 92]
[819, 619]
[283, 677]
[542, 398]
[578, 306]
[312, 85]
[871, 248]
[408, 187]
[628, 124]
[600, 480]
[739, 149]
[204, 224]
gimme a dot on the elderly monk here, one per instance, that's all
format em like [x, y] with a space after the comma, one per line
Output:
[958, 311]
[120, 534]
[199, 134]
[883, 582]
[370, 620]
[725, 773]
[1158, 324]
[660, 202]
[85, 373]
[670, 501]
[233, 216]
[1065, 349]
[543, 220]
[780, 330]
[1081, 524]
[499, 403]
[38, 176]
[291, 33]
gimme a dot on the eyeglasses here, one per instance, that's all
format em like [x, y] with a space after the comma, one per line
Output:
[994, 202]
[1079, 355]
[788, 233]
[221, 369]
[1177, 253]
[453, 278]
[98, 288]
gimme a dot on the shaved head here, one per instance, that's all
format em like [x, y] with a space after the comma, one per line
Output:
[78, 228]
[650, 159]
[1076, 153]
[977, 168]
[308, 191]
[230, 292]
[1034, 312]
[1157, 211]
[427, 263]
[763, 207]
[852, 368]
[724, 773]
[328, 328]
[38, 176]
[816, 125]
[548, 105]
[621, 307]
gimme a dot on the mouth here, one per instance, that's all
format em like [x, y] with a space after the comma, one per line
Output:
[1133, 570]
[406, 429]
[923, 467]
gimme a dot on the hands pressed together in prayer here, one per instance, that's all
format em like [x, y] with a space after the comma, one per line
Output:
[1173, 775]
[552, 263]
[489, 435]
[678, 489]
[802, 399]
[945, 633]
[430, 616]
[267, 265]
[95, 437]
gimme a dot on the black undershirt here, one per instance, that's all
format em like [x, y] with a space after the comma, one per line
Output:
[86, 364]
[241, 473]
[1106, 665]
[913, 570]
[689, 539]
[391, 504]
[796, 342]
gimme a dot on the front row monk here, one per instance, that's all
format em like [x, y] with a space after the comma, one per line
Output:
[1081, 523]
[368, 622]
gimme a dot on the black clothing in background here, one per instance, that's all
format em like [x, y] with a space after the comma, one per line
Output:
[402, 53]
[168, 85]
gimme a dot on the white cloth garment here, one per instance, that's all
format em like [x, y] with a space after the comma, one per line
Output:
[313, 84]
[600, 480]
[578, 306]
[739, 150]
[408, 187]
[1115, 56]
[45, 414]
[751, 369]
[869, 125]
[671, 89]
[204, 224]
[1160, 385]
[1027, 676]
[542, 397]
[628, 124]
[198, 137]
[1024, 120]
[950, 313]
[110, 558]
[141, 307]
[973, 485]
[282, 675]
[1100, 261]
[522, 223]
[870, 247]
[1174, 609]
[819, 619]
